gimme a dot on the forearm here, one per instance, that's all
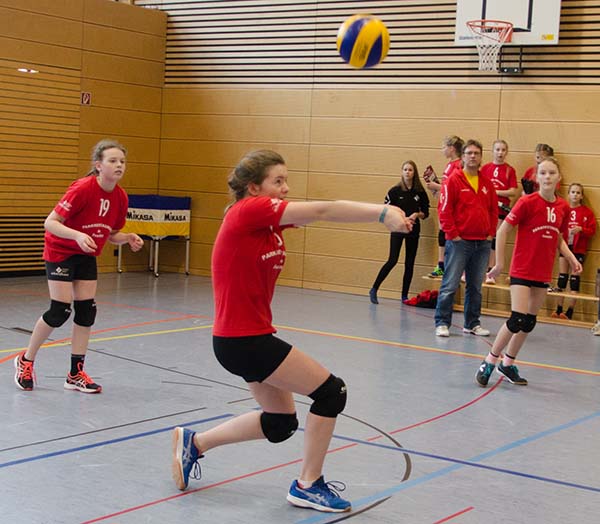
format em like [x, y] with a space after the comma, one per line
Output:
[299, 213]
[119, 238]
[57, 228]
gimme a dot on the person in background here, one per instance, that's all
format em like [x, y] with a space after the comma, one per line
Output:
[452, 149]
[542, 219]
[248, 256]
[529, 180]
[504, 178]
[468, 211]
[408, 194]
[91, 212]
[581, 228]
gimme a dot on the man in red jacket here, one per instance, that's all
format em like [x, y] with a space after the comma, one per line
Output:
[468, 213]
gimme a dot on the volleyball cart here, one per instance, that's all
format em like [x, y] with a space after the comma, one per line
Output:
[156, 218]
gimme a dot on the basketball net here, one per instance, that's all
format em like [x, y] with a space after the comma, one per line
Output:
[489, 36]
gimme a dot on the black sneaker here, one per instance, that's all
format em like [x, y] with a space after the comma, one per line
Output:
[483, 373]
[373, 296]
[512, 374]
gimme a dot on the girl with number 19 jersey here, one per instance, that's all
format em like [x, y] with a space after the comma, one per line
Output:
[541, 223]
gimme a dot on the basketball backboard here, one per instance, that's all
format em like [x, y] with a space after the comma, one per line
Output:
[536, 22]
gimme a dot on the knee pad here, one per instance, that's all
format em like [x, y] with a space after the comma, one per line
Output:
[441, 238]
[58, 313]
[494, 244]
[278, 427]
[529, 323]
[517, 321]
[562, 280]
[85, 312]
[329, 398]
[574, 282]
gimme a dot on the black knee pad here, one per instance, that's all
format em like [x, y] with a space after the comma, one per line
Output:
[441, 238]
[516, 322]
[85, 312]
[574, 282]
[329, 398]
[58, 313]
[562, 280]
[278, 427]
[529, 323]
[494, 244]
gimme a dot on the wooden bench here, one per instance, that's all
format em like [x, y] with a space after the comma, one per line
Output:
[506, 288]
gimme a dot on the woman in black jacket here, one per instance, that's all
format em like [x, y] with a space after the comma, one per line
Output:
[409, 196]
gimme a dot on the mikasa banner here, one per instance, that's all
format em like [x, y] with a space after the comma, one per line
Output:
[158, 216]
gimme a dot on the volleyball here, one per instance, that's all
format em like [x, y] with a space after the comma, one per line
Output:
[363, 41]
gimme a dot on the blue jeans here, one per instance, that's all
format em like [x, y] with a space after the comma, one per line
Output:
[470, 256]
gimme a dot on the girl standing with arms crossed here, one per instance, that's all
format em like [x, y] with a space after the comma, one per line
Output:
[581, 227]
[91, 212]
[409, 196]
[529, 180]
[248, 256]
[542, 218]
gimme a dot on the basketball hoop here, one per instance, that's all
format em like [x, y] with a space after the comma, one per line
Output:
[489, 36]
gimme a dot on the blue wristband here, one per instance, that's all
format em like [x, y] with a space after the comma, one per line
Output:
[383, 213]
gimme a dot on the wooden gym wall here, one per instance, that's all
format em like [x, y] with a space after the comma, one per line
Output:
[247, 74]
[113, 51]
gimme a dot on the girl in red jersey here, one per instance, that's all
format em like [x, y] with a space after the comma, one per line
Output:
[529, 180]
[452, 149]
[504, 178]
[248, 256]
[91, 212]
[582, 227]
[542, 218]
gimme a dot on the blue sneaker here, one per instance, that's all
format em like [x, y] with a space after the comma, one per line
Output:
[185, 458]
[322, 496]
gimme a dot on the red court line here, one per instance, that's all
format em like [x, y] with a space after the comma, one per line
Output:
[450, 517]
[296, 461]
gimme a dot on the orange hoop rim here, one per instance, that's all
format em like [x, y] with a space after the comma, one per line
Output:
[498, 30]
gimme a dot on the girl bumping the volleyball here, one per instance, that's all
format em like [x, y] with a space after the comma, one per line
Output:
[248, 255]
[542, 218]
[89, 214]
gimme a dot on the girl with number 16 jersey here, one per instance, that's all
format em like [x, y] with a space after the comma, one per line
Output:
[542, 218]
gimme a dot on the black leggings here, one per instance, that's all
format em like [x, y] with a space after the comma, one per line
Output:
[410, 254]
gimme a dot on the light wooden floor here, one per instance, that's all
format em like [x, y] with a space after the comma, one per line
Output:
[419, 441]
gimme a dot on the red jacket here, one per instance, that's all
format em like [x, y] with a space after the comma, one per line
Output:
[465, 213]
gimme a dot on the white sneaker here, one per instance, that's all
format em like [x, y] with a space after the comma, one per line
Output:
[490, 280]
[596, 328]
[477, 330]
[442, 331]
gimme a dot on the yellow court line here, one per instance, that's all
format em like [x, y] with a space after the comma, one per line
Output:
[118, 337]
[334, 335]
[435, 350]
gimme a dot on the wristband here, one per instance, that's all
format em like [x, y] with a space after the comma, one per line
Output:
[383, 213]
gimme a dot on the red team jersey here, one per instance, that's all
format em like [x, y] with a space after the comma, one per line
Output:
[503, 176]
[540, 225]
[88, 208]
[531, 176]
[451, 167]
[247, 258]
[584, 217]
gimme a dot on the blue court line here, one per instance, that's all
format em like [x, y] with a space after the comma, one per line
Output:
[458, 464]
[107, 442]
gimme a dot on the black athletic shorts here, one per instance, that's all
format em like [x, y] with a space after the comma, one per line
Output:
[529, 283]
[253, 358]
[579, 256]
[76, 267]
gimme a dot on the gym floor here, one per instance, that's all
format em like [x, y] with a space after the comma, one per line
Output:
[419, 441]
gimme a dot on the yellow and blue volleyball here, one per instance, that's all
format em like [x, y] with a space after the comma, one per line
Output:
[363, 41]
